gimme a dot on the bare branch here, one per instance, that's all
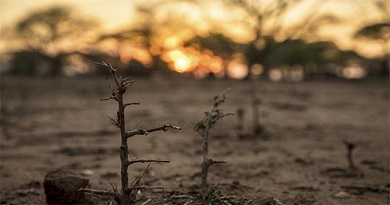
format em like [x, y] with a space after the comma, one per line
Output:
[208, 163]
[137, 181]
[145, 161]
[144, 187]
[116, 77]
[133, 103]
[109, 84]
[100, 63]
[109, 98]
[114, 188]
[212, 162]
[126, 79]
[128, 84]
[110, 66]
[146, 132]
[112, 69]
[221, 97]
[146, 202]
[101, 192]
[114, 122]
[164, 128]
[136, 132]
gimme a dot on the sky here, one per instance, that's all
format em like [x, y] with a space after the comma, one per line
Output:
[111, 14]
[116, 13]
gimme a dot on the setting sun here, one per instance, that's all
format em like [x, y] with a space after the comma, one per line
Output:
[181, 64]
[178, 61]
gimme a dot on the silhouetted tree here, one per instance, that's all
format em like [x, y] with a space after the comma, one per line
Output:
[375, 32]
[54, 32]
[294, 52]
[301, 53]
[27, 63]
[150, 31]
[379, 33]
[263, 13]
[218, 43]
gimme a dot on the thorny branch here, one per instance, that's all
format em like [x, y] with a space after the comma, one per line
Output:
[109, 98]
[212, 162]
[133, 103]
[214, 115]
[101, 192]
[147, 131]
[109, 85]
[144, 187]
[145, 161]
[114, 122]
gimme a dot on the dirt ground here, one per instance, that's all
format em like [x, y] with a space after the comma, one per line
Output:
[51, 123]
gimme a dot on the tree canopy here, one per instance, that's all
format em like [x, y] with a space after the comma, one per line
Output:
[54, 32]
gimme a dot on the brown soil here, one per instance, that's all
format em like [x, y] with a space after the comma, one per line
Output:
[48, 124]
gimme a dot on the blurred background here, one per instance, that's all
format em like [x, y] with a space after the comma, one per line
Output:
[281, 40]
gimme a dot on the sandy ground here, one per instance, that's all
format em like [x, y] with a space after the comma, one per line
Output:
[48, 124]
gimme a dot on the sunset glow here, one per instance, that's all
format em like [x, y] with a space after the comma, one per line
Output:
[182, 64]
[257, 69]
[353, 71]
[203, 38]
[127, 52]
[77, 65]
[178, 61]
[189, 59]
[275, 75]
[122, 13]
[237, 70]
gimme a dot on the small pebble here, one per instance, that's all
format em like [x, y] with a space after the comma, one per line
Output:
[86, 172]
[341, 195]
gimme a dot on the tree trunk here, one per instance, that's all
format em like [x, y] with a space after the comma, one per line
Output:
[55, 66]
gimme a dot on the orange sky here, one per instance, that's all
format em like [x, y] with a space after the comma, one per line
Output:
[114, 14]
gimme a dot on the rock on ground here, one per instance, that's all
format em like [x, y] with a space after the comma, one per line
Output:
[61, 187]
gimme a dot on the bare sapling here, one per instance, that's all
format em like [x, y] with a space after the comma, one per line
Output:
[240, 113]
[350, 147]
[128, 193]
[256, 126]
[202, 128]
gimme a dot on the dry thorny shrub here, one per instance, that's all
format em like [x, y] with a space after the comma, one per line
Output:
[203, 127]
[128, 193]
